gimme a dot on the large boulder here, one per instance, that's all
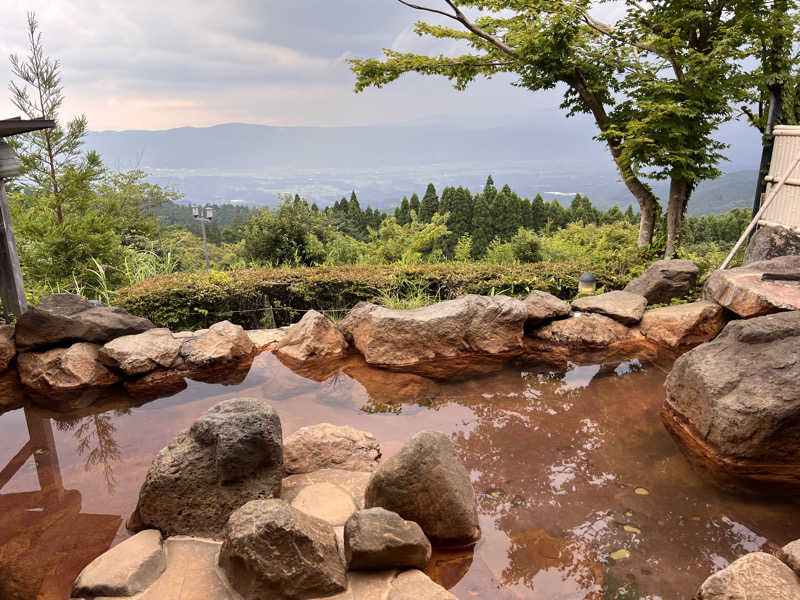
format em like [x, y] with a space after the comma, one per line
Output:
[232, 454]
[755, 576]
[65, 318]
[8, 349]
[772, 242]
[744, 291]
[734, 404]
[327, 446]
[427, 483]
[142, 353]
[664, 280]
[223, 344]
[64, 369]
[126, 570]
[271, 550]
[441, 340]
[625, 307]
[376, 538]
[683, 325]
[543, 307]
[312, 338]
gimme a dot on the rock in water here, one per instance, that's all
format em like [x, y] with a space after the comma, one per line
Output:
[220, 345]
[141, 353]
[772, 242]
[125, 570]
[543, 307]
[64, 369]
[756, 576]
[65, 318]
[427, 483]
[442, 340]
[376, 538]
[734, 404]
[665, 280]
[314, 337]
[7, 347]
[271, 550]
[584, 338]
[327, 446]
[743, 291]
[683, 325]
[229, 456]
[625, 307]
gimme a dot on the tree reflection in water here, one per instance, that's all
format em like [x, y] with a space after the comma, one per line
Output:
[96, 442]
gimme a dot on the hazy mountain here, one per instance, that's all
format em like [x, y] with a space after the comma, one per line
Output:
[253, 164]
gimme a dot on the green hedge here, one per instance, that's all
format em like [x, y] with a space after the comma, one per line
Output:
[192, 300]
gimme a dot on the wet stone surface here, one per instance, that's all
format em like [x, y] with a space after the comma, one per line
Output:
[574, 475]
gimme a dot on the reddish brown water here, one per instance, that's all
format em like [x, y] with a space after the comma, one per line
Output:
[576, 456]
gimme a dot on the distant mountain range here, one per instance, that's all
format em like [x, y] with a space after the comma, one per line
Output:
[254, 164]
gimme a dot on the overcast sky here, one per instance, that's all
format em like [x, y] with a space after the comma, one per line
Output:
[154, 64]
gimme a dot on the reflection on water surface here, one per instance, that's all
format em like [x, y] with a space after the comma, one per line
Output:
[578, 482]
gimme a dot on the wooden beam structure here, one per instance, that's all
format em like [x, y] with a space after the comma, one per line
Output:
[12, 289]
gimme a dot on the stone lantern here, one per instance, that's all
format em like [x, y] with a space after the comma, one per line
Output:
[12, 290]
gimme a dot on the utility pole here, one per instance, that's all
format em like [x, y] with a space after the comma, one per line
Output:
[12, 289]
[198, 214]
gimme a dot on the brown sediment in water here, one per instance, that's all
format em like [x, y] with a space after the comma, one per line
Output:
[555, 458]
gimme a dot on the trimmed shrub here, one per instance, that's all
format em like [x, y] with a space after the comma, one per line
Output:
[252, 297]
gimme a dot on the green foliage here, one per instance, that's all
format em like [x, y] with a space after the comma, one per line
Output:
[613, 246]
[191, 300]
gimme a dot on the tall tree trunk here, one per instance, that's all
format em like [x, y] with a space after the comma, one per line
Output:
[644, 195]
[678, 197]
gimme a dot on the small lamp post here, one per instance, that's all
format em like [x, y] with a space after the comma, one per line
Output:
[203, 217]
[12, 289]
[587, 284]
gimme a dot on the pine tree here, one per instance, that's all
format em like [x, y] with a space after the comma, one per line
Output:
[414, 204]
[447, 200]
[482, 227]
[460, 221]
[538, 213]
[429, 205]
[403, 213]
[355, 218]
[489, 191]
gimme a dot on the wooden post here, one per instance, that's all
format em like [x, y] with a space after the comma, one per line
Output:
[12, 290]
